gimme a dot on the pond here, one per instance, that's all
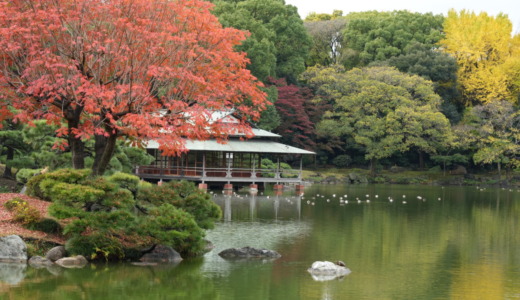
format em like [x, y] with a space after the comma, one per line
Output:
[400, 242]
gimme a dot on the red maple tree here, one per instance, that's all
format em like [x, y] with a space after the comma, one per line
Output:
[296, 111]
[144, 69]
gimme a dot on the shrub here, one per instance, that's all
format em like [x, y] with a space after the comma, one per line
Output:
[173, 227]
[126, 181]
[26, 214]
[33, 186]
[342, 161]
[23, 175]
[46, 225]
[13, 203]
[184, 195]
[95, 246]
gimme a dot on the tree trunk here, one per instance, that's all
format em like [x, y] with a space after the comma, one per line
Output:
[373, 163]
[499, 171]
[9, 156]
[421, 159]
[77, 147]
[104, 150]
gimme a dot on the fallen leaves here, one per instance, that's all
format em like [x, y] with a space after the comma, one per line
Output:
[8, 226]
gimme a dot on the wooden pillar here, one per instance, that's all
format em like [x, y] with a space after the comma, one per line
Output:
[203, 186]
[299, 189]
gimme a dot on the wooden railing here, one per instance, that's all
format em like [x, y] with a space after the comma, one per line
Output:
[218, 174]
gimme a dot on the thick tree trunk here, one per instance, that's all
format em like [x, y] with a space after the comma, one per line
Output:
[104, 150]
[77, 147]
[9, 156]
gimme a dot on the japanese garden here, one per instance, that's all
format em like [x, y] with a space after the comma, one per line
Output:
[387, 142]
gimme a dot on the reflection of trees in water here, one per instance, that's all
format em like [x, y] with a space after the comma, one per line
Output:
[122, 281]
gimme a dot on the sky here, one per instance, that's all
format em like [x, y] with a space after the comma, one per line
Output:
[492, 7]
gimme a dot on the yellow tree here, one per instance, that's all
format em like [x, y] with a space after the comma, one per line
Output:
[487, 55]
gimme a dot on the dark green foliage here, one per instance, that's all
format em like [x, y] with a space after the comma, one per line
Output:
[46, 225]
[376, 36]
[95, 246]
[342, 161]
[173, 227]
[184, 195]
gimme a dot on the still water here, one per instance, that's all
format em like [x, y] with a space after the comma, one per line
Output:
[400, 242]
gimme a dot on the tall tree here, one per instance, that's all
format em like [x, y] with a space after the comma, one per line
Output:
[276, 29]
[434, 65]
[487, 54]
[384, 110]
[372, 36]
[147, 69]
[294, 107]
[326, 41]
[496, 129]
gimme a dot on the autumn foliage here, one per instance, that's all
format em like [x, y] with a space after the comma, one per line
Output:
[296, 110]
[143, 69]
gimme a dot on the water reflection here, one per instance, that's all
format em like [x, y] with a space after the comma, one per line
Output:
[277, 206]
[451, 243]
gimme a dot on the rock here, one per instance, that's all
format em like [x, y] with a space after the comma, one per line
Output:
[56, 253]
[161, 254]
[12, 273]
[77, 261]
[12, 249]
[326, 270]
[249, 252]
[39, 262]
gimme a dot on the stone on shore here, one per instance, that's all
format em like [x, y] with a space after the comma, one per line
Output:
[161, 254]
[56, 253]
[39, 262]
[77, 261]
[12, 249]
[248, 252]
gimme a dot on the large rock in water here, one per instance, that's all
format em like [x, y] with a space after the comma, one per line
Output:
[77, 261]
[249, 252]
[161, 254]
[326, 270]
[12, 249]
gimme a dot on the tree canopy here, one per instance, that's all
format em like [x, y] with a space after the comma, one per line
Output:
[372, 35]
[278, 45]
[384, 110]
[487, 54]
[136, 68]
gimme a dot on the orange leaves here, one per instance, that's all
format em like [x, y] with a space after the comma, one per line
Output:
[113, 65]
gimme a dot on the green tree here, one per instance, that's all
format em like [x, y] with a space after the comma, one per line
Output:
[278, 45]
[496, 130]
[434, 65]
[487, 54]
[326, 41]
[372, 36]
[383, 110]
